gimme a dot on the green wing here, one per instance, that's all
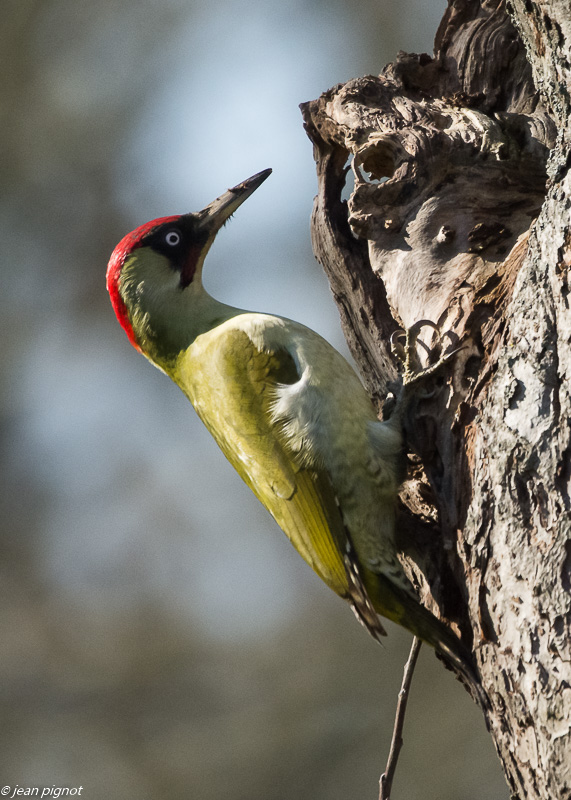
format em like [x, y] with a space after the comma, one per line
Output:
[232, 383]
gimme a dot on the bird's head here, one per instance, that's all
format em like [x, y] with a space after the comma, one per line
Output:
[154, 276]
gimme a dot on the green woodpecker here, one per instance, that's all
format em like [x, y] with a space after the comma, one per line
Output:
[286, 409]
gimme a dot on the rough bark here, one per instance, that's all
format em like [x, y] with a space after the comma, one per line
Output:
[460, 214]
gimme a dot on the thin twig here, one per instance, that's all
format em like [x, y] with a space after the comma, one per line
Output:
[388, 775]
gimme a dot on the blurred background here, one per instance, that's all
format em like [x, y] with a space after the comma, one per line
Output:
[160, 637]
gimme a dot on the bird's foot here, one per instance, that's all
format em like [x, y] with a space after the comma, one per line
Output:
[405, 345]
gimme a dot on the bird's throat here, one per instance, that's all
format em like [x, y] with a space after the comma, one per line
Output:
[166, 317]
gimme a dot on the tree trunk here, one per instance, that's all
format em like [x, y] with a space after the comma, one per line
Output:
[460, 215]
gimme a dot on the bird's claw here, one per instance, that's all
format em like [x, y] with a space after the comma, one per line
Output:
[404, 346]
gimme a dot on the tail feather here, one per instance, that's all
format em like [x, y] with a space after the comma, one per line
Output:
[395, 604]
[358, 596]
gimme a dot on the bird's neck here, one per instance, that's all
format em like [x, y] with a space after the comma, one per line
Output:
[170, 328]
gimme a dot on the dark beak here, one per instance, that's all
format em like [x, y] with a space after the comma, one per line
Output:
[213, 217]
[204, 225]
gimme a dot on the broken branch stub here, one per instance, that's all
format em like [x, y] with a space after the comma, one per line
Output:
[449, 174]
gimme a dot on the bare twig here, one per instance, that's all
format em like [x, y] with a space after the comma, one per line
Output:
[388, 775]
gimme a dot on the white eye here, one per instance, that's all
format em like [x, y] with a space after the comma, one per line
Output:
[173, 238]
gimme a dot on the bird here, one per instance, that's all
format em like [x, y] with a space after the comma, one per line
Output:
[286, 409]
